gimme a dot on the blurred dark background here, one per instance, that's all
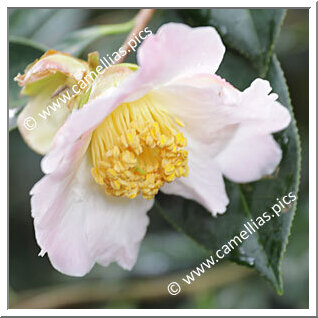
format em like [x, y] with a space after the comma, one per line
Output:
[165, 254]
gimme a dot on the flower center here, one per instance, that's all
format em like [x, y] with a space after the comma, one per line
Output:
[137, 148]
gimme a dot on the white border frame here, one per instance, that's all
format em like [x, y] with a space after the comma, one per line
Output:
[312, 166]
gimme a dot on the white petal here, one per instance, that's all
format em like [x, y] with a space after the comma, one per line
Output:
[114, 226]
[235, 127]
[205, 182]
[204, 110]
[81, 225]
[249, 159]
[260, 113]
[252, 152]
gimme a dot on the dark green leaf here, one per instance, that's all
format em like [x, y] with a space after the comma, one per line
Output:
[25, 22]
[74, 43]
[58, 24]
[264, 250]
[237, 70]
[252, 32]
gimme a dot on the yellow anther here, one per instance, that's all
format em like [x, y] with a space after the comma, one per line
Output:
[98, 178]
[116, 151]
[129, 157]
[138, 148]
[180, 171]
[162, 140]
[169, 169]
[179, 163]
[179, 122]
[115, 184]
[170, 178]
[133, 195]
[130, 138]
[118, 166]
[112, 172]
[103, 165]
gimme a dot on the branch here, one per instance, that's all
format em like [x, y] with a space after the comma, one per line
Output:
[85, 294]
[141, 21]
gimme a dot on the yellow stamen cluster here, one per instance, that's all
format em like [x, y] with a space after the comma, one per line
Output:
[136, 149]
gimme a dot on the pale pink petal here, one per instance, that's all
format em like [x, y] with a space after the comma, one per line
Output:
[53, 227]
[179, 51]
[205, 110]
[65, 241]
[231, 130]
[77, 224]
[260, 113]
[114, 226]
[252, 152]
[249, 159]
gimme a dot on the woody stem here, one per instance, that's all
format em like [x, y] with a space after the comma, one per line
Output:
[141, 20]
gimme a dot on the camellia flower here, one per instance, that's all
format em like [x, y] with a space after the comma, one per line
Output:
[44, 81]
[170, 124]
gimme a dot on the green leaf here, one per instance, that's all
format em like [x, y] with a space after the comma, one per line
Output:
[231, 69]
[74, 43]
[265, 249]
[46, 26]
[26, 22]
[252, 32]
[22, 53]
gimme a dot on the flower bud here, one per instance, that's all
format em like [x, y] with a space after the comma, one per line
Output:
[48, 83]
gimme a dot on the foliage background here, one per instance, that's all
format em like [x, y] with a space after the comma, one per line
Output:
[165, 254]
